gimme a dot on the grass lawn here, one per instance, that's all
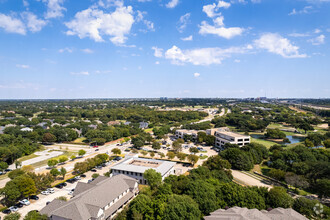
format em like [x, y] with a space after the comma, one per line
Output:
[44, 162]
[79, 140]
[27, 157]
[266, 143]
[274, 125]
[148, 129]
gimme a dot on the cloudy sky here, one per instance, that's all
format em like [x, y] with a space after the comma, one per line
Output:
[172, 48]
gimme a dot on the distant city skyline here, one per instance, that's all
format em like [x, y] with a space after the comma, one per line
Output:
[65, 49]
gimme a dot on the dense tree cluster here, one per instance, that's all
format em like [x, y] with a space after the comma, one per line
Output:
[88, 164]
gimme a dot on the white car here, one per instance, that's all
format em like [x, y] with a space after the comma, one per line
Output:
[45, 193]
[13, 208]
[25, 202]
[50, 190]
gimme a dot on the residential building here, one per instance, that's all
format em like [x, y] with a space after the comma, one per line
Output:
[182, 132]
[224, 135]
[143, 125]
[101, 199]
[92, 126]
[254, 214]
[27, 129]
[111, 123]
[135, 167]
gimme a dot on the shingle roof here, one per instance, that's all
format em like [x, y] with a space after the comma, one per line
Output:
[90, 198]
[254, 214]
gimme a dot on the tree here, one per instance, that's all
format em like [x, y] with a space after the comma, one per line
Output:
[95, 175]
[116, 151]
[305, 206]
[3, 166]
[238, 158]
[277, 197]
[322, 187]
[155, 145]
[152, 154]
[193, 150]
[63, 159]
[181, 156]
[34, 215]
[296, 181]
[18, 164]
[27, 168]
[63, 172]
[15, 173]
[81, 152]
[54, 172]
[80, 167]
[193, 159]
[216, 163]
[153, 178]
[177, 145]
[12, 216]
[11, 193]
[49, 138]
[25, 185]
[308, 143]
[52, 162]
[305, 126]
[73, 157]
[326, 143]
[170, 155]
[181, 207]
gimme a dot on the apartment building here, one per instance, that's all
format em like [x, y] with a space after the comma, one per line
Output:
[101, 199]
[135, 167]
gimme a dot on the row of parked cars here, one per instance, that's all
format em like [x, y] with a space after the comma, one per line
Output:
[5, 171]
[20, 204]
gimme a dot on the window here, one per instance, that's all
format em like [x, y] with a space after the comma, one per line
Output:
[247, 139]
[240, 140]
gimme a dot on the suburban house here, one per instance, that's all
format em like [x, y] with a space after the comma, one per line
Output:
[111, 123]
[27, 129]
[135, 167]
[143, 125]
[252, 214]
[182, 132]
[224, 135]
[101, 199]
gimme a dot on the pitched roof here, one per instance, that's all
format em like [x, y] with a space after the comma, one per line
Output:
[254, 214]
[90, 198]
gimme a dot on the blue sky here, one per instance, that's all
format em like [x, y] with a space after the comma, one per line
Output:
[172, 48]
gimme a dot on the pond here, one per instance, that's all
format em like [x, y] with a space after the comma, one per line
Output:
[293, 139]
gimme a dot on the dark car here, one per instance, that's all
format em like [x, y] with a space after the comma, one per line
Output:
[83, 175]
[93, 170]
[59, 186]
[47, 202]
[7, 170]
[6, 211]
[34, 197]
[97, 150]
[19, 205]
[71, 180]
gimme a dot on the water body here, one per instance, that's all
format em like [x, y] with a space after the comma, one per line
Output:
[293, 139]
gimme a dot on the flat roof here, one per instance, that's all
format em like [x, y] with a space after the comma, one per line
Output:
[139, 165]
[232, 134]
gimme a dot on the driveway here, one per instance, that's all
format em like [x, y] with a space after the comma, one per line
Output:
[248, 180]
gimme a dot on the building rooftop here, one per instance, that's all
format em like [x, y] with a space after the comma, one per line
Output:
[230, 133]
[139, 165]
[89, 198]
[254, 214]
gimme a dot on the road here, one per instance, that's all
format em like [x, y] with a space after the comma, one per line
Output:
[248, 180]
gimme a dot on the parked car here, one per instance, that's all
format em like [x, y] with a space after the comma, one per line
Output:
[45, 193]
[13, 209]
[50, 190]
[95, 146]
[93, 170]
[34, 197]
[25, 202]
[83, 175]
[78, 178]
[96, 149]
[72, 180]
[99, 167]
[59, 186]
[47, 202]
[8, 170]
[19, 205]
[6, 211]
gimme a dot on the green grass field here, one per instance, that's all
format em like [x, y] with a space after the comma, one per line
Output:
[266, 143]
[79, 140]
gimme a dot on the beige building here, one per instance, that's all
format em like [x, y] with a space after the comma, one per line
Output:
[182, 132]
[224, 135]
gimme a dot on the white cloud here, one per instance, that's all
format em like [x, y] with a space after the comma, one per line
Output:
[158, 52]
[94, 23]
[25, 3]
[69, 50]
[317, 31]
[318, 40]
[237, 61]
[12, 25]
[202, 56]
[210, 10]
[274, 43]
[140, 18]
[305, 10]
[84, 73]
[172, 3]
[221, 31]
[23, 66]
[183, 21]
[54, 8]
[190, 38]
[33, 23]
[223, 4]
[196, 75]
[87, 50]
[157, 62]
[299, 35]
